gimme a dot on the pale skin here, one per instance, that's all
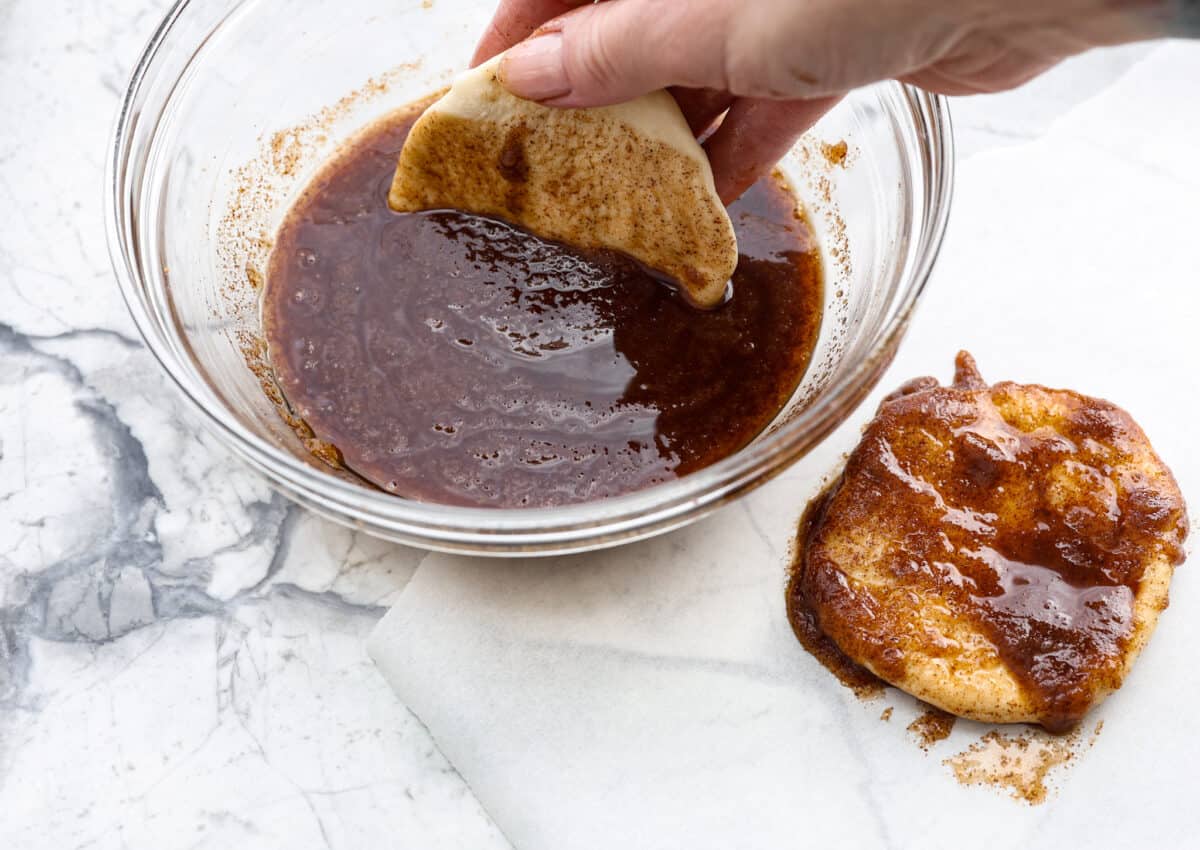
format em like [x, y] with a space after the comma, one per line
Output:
[754, 75]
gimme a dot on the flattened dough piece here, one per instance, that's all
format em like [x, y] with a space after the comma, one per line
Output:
[630, 177]
[1001, 552]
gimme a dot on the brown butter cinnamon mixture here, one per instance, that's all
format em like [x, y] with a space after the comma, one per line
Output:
[458, 359]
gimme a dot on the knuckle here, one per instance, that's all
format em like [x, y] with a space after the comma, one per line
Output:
[763, 63]
[596, 60]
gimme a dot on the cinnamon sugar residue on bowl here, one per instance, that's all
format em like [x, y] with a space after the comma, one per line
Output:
[835, 153]
[245, 234]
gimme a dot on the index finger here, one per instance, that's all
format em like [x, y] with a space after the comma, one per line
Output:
[515, 21]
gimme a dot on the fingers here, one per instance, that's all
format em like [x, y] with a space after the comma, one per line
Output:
[515, 21]
[605, 53]
[611, 52]
[754, 136]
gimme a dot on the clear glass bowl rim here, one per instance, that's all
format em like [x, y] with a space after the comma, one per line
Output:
[537, 530]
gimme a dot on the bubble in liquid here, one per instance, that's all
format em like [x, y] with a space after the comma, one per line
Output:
[306, 258]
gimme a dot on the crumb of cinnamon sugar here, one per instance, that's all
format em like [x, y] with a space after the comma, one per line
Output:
[932, 726]
[1017, 763]
[835, 153]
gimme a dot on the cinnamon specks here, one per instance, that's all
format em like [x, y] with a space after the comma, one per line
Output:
[931, 726]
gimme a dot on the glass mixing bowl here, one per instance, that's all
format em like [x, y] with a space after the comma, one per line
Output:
[235, 103]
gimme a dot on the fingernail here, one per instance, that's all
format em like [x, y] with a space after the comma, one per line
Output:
[534, 68]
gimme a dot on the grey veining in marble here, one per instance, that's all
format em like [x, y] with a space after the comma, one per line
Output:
[181, 659]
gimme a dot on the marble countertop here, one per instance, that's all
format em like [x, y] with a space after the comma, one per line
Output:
[181, 649]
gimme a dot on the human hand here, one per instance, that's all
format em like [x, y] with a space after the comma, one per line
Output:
[778, 65]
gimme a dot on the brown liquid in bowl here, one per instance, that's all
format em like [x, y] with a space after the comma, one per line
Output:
[457, 359]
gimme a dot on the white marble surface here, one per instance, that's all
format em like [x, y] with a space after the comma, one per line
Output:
[181, 651]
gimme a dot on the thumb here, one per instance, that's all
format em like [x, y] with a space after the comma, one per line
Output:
[615, 51]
